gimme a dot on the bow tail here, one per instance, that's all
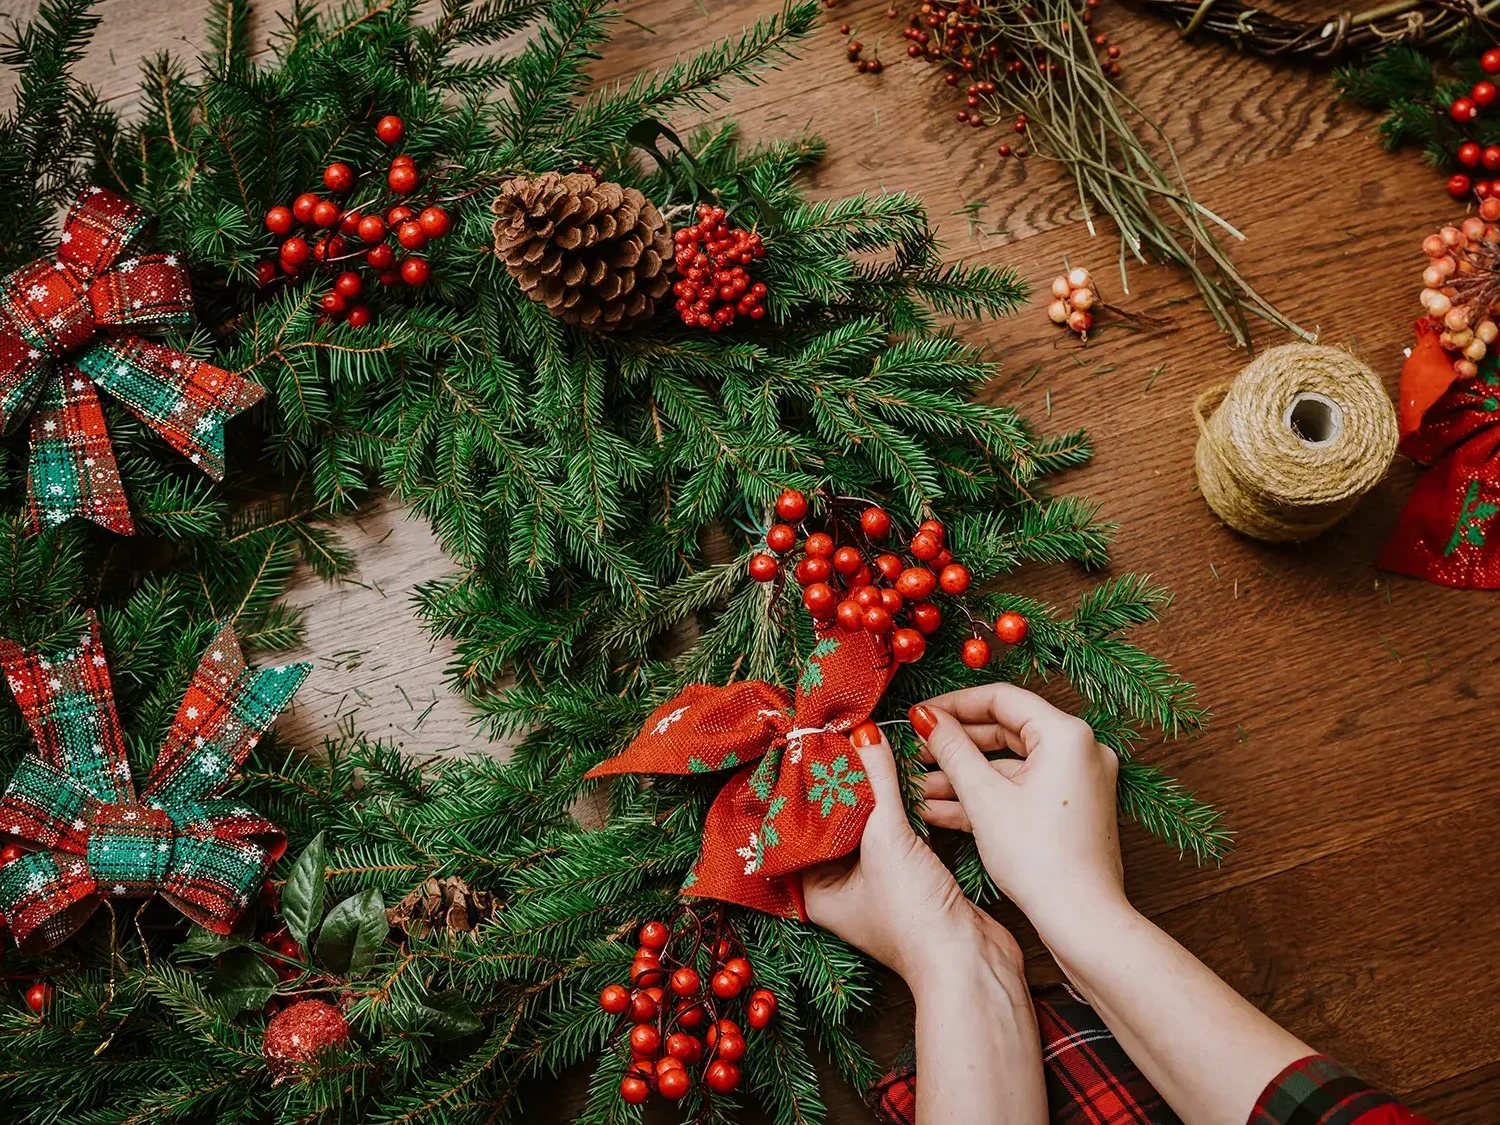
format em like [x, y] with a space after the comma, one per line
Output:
[183, 399]
[72, 470]
[43, 901]
[211, 879]
[740, 830]
[23, 374]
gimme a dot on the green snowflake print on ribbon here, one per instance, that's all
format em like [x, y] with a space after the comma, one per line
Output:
[833, 784]
[812, 676]
[1472, 516]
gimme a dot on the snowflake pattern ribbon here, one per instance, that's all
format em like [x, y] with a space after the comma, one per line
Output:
[800, 796]
[73, 799]
[66, 327]
[1447, 532]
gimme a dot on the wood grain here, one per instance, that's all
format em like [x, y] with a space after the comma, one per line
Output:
[1351, 746]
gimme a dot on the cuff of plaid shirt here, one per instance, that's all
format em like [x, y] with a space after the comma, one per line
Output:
[1319, 1091]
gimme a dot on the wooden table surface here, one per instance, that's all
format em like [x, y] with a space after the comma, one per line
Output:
[1349, 745]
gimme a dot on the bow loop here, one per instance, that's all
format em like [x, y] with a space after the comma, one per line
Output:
[150, 292]
[801, 796]
[99, 228]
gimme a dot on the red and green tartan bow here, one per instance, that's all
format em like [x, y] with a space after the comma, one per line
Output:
[53, 354]
[73, 799]
[803, 802]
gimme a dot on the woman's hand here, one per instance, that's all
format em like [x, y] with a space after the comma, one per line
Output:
[1045, 822]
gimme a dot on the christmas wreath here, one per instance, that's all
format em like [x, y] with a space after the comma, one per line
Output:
[449, 265]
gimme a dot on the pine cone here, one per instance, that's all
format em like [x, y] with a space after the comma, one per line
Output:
[596, 254]
[447, 906]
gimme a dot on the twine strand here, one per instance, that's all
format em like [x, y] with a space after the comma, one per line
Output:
[1289, 447]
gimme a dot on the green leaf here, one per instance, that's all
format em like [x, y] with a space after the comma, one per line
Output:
[305, 891]
[205, 943]
[447, 1015]
[242, 982]
[353, 933]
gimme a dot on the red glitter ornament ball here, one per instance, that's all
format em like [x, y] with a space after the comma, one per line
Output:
[297, 1034]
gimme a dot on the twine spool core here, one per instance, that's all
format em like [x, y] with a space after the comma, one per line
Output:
[1288, 449]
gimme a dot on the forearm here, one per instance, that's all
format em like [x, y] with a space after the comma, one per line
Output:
[1208, 1051]
[978, 1053]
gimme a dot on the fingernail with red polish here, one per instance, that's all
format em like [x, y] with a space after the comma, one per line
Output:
[923, 721]
[866, 734]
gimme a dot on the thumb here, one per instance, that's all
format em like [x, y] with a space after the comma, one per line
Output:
[966, 767]
[880, 766]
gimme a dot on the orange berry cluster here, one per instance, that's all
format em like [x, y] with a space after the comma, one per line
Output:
[324, 234]
[840, 584]
[681, 1034]
[1461, 286]
[716, 286]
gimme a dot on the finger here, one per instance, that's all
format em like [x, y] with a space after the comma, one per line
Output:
[947, 814]
[967, 768]
[1025, 713]
[879, 765]
[937, 787]
[991, 737]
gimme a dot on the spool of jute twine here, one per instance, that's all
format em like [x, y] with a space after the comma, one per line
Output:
[1288, 448]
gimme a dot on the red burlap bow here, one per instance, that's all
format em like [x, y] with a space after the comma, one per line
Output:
[801, 797]
[1452, 424]
[65, 328]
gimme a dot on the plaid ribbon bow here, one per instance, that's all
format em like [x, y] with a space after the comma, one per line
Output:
[1446, 534]
[73, 799]
[801, 797]
[53, 354]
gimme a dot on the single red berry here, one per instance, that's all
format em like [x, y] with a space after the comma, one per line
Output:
[812, 570]
[686, 982]
[333, 304]
[685, 1047]
[875, 522]
[654, 935]
[279, 220]
[890, 566]
[327, 214]
[1483, 93]
[338, 177]
[402, 178]
[691, 1015]
[908, 646]
[39, 997]
[390, 129]
[9, 854]
[673, 1084]
[722, 1077]
[644, 1039]
[1458, 185]
[763, 568]
[935, 529]
[926, 546]
[762, 1008]
[916, 583]
[265, 273]
[358, 316]
[878, 619]
[643, 1008]
[819, 545]
[349, 224]
[634, 1090]
[850, 615]
[435, 222]
[892, 601]
[405, 159]
[348, 284]
[976, 652]
[865, 595]
[644, 973]
[782, 538]
[390, 277]
[302, 206]
[731, 1048]
[410, 235]
[721, 1027]
[820, 601]
[944, 557]
[791, 506]
[398, 215]
[1489, 62]
[725, 984]
[926, 617]
[380, 256]
[847, 560]
[615, 999]
[1011, 627]
[371, 228]
[295, 251]
[954, 578]
[415, 272]
[1463, 110]
[741, 968]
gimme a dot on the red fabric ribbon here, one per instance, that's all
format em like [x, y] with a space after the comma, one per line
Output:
[66, 327]
[1446, 532]
[801, 796]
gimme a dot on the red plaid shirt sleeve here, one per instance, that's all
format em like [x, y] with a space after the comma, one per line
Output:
[1319, 1091]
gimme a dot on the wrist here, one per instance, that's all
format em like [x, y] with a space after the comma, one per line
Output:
[1078, 931]
[965, 959]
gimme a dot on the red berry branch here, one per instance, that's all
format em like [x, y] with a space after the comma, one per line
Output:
[680, 1033]
[326, 236]
[712, 258]
[892, 597]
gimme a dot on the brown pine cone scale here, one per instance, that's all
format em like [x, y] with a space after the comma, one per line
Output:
[598, 255]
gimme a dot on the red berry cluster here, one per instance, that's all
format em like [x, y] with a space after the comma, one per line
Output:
[40, 995]
[840, 584]
[1464, 111]
[715, 285]
[326, 235]
[680, 1032]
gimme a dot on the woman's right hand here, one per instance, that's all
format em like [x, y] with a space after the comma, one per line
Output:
[1045, 821]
